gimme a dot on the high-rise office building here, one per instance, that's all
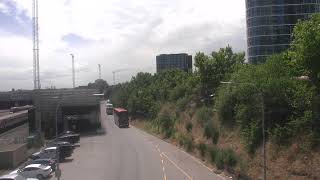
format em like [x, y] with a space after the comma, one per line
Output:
[270, 24]
[174, 61]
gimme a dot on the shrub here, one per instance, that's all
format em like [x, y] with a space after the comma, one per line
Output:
[230, 158]
[182, 103]
[213, 153]
[188, 143]
[166, 123]
[281, 135]
[222, 157]
[189, 126]
[215, 137]
[219, 159]
[204, 115]
[252, 136]
[211, 132]
[202, 149]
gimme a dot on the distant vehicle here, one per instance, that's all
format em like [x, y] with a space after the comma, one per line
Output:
[121, 118]
[109, 109]
[47, 162]
[15, 177]
[34, 171]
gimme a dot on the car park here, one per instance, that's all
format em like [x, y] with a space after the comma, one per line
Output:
[48, 162]
[34, 171]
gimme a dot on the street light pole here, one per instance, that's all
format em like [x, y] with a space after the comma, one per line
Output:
[263, 139]
[263, 127]
[58, 172]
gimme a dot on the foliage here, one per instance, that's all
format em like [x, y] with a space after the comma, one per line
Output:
[202, 147]
[186, 141]
[285, 100]
[214, 68]
[166, 123]
[305, 47]
[204, 115]
[223, 157]
[99, 84]
[189, 126]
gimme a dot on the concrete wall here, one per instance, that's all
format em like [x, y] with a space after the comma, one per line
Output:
[13, 157]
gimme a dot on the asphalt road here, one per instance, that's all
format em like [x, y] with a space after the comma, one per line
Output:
[131, 154]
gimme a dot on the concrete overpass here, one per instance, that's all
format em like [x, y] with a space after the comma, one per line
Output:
[78, 109]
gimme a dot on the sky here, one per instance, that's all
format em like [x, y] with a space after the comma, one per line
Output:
[118, 34]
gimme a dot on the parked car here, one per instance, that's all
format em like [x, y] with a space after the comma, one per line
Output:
[48, 162]
[65, 148]
[15, 177]
[71, 138]
[48, 153]
[34, 171]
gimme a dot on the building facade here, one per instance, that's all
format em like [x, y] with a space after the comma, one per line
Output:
[270, 25]
[174, 61]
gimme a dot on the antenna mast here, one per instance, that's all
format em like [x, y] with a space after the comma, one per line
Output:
[99, 66]
[36, 69]
[73, 72]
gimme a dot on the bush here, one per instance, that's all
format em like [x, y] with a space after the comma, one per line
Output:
[202, 149]
[189, 127]
[204, 115]
[219, 159]
[281, 135]
[211, 132]
[230, 158]
[166, 123]
[188, 144]
[222, 157]
[182, 103]
[213, 153]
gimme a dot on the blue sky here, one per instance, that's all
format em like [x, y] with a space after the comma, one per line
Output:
[116, 34]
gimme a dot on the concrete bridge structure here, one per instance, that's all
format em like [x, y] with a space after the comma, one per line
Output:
[75, 109]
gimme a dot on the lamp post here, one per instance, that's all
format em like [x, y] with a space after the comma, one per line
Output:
[263, 126]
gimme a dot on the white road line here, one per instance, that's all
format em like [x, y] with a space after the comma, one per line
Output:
[186, 174]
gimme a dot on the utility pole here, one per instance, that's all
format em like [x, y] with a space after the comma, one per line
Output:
[114, 78]
[35, 33]
[99, 66]
[73, 72]
[263, 139]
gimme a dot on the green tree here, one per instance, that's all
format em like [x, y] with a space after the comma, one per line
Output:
[216, 67]
[99, 84]
[305, 47]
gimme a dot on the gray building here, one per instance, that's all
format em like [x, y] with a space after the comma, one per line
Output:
[181, 61]
[270, 25]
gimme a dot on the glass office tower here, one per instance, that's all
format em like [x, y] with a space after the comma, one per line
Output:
[270, 25]
[174, 61]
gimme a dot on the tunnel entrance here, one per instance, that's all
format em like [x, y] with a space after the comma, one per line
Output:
[81, 119]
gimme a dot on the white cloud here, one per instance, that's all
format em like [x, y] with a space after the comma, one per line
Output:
[124, 34]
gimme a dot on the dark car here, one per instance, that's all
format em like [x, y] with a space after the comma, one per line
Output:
[48, 162]
[71, 138]
[66, 148]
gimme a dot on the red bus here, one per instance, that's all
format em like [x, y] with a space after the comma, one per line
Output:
[121, 118]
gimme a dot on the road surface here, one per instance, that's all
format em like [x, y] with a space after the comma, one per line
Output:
[131, 154]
